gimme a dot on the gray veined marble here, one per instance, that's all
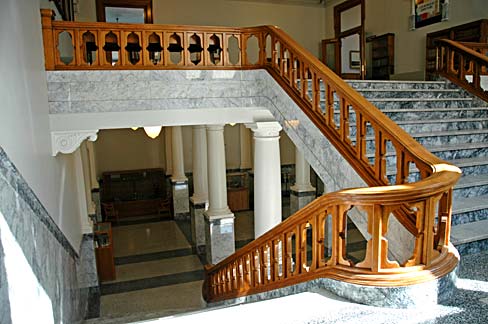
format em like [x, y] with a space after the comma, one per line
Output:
[63, 276]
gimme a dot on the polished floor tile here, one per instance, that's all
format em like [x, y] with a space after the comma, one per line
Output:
[148, 238]
[182, 297]
[157, 268]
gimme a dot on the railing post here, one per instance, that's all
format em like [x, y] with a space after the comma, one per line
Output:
[47, 16]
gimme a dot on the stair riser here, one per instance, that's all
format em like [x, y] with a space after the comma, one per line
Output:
[472, 247]
[419, 104]
[399, 85]
[439, 94]
[449, 155]
[472, 191]
[425, 128]
[434, 140]
[469, 217]
[436, 115]
[415, 176]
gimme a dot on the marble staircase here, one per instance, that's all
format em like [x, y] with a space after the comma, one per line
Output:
[454, 126]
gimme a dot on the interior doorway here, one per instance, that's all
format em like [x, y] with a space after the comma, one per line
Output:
[345, 53]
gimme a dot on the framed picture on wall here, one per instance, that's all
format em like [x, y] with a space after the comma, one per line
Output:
[429, 12]
[354, 59]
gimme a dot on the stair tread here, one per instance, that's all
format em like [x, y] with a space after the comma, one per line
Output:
[407, 90]
[397, 81]
[445, 147]
[469, 232]
[451, 132]
[431, 109]
[475, 161]
[440, 121]
[420, 99]
[464, 205]
[472, 180]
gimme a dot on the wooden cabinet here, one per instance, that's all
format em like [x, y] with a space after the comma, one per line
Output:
[134, 192]
[237, 191]
[476, 31]
[382, 56]
[104, 252]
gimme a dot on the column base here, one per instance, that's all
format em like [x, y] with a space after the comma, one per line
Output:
[197, 208]
[300, 198]
[181, 204]
[219, 237]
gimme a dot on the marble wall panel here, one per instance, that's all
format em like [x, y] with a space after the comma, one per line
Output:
[43, 252]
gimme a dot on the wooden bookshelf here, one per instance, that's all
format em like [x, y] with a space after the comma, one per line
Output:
[383, 56]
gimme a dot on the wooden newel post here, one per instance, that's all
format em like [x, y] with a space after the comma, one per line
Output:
[47, 16]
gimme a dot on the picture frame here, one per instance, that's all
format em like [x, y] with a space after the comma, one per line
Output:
[429, 12]
[354, 60]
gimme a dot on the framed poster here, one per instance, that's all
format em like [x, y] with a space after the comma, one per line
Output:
[428, 12]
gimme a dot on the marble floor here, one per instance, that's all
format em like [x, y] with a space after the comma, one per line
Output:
[158, 270]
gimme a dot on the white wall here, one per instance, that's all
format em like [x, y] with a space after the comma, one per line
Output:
[387, 16]
[24, 123]
[305, 24]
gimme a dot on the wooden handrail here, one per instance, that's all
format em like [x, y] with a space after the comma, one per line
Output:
[455, 61]
[297, 249]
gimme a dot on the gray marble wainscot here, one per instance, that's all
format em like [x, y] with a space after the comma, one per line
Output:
[47, 254]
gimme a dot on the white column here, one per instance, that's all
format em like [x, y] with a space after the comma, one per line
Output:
[267, 176]
[86, 225]
[246, 147]
[219, 220]
[199, 199]
[178, 173]
[217, 178]
[168, 148]
[91, 208]
[200, 182]
[302, 171]
[91, 162]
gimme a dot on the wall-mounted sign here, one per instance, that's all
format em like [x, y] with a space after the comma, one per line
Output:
[428, 12]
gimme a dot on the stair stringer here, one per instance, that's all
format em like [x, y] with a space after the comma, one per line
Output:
[332, 168]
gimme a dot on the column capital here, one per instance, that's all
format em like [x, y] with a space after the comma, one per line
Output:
[68, 141]
[215, 128]
[265, 129]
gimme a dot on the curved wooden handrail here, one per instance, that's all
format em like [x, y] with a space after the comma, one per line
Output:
[455, 61]
[297, 249]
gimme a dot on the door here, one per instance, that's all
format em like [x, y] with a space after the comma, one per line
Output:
[348, 45]
[330, 52]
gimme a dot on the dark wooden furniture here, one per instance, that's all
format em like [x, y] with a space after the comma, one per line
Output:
[237, 191]
[382, 56]
[476, 31]
[134, 192]
[104, 253]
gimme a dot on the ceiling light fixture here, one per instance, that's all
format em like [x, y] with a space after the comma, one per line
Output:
[153, 131]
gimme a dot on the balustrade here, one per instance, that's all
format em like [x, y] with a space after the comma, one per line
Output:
[464, 64]
[312, 243]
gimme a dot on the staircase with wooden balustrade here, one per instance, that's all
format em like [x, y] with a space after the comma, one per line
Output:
[405, 181]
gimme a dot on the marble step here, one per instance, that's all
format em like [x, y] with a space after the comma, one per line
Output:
[435, 113]
[427, 125]
[467, 210]
[446, 152]
[388, 85]
[471, 186]
[470, 237]
[412, 93]
[469, 166]
[436, 138]
[422, 103]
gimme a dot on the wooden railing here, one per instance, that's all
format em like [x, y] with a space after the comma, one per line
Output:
[406, 180]
[464, 64]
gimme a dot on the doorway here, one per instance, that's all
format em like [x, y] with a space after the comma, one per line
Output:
[345, 53]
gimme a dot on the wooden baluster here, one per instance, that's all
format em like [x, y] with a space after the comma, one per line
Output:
[461, 71]
[315, 93]
[47, 16]
[330, 106]
[377, 247]
[428, 252]
[298, 251]
[321, 238]
[315, 243]
[477, 76]
[288, 252]
[257, 269]
[282, 59]
[344, 129]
